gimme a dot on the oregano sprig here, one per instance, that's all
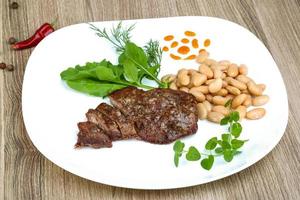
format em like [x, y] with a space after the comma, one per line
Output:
[227, 146]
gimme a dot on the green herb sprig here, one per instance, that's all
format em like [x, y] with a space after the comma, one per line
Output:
[227, 146]
[120, 37]
[135, 64]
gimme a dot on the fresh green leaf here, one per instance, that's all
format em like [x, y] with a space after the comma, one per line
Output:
[105, 74]
[95, 88]
[137, 55]
[235, 152]
[228, 103]
[228, 155]
[235, 116]
[211, 144]
[225, 120]
[176, 158]
[75, 74]
[236, 129]
[235, 143]
[193, 154]
[130, 71]
[208, 162]
[219, 150]
[118, 71]
[225, 145]
[226, 137]
[178, 146]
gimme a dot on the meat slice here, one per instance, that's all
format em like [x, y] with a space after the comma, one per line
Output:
[125, 126]
[161, 115]
[91, 135]
[110, 127]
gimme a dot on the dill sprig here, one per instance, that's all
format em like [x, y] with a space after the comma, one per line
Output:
[154, 53]
[118, 35]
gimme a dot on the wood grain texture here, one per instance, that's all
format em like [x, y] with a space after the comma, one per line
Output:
[26, 174]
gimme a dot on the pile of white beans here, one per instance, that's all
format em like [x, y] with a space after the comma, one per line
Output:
[214, 83]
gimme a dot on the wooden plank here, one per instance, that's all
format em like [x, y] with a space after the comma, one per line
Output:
[26, 174]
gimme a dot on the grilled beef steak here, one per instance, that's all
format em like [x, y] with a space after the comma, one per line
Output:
[157, 116]
[160, 115]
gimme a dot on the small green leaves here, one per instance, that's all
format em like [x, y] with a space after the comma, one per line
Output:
[236, 129]
[193, 154]
[228, 155]
[178, 149]
[235, 116]
[237, 143]
[178, 146]
[224, 121]
[219, 150]
[211, 144]
[227, 146]
[176, 158]
[226, 137]
[207, 163]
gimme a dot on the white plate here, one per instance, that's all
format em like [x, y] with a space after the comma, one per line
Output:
[51, 110]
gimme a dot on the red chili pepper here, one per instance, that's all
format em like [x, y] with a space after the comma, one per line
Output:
[40, 34]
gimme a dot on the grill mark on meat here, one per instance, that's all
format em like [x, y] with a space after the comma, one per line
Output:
[110, 127]
[91, 135]
[126, 127]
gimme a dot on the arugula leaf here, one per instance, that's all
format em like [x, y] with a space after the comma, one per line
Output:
[137, 55]
[94, 88]
[105, 74]
[74, 74]
[86, 71]
[130, 71]
[193, 154]
[207, 163]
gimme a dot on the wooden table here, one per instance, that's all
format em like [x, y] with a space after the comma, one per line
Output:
[26, 174]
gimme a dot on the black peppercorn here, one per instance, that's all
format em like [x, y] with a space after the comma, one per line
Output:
[14, 5]
[2, 65]
[12, 40]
